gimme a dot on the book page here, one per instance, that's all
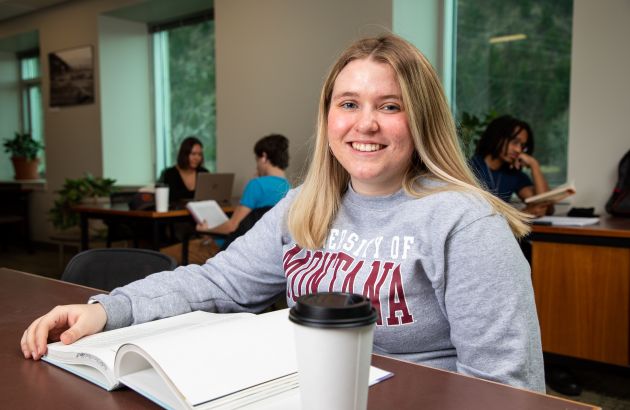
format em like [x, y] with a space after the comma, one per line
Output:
[98, 351]
[208, 211]
[113, 339]
[554, 195]
[566, 220]
[210, 361]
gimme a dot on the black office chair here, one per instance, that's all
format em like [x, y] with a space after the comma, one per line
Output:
[245, 225]
[110, 268]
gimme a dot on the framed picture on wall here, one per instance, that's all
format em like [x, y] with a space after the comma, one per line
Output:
[71, 77]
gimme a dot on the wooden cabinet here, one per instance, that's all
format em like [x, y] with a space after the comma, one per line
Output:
[581, 279]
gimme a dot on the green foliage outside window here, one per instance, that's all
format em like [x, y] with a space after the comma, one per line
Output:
[527, 78]
[192, 88]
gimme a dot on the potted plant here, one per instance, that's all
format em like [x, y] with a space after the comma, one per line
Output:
[24, 149]
[77, 191]
[470, 129]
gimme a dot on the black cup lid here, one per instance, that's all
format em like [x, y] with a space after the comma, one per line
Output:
[333, 310]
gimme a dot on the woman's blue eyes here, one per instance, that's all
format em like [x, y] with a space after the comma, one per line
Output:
[391, 107]
[386, 107]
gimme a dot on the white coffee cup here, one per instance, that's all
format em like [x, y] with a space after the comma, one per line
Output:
[333, 336]
[161, 199]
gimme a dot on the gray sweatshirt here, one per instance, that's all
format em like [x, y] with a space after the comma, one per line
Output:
[444, 272]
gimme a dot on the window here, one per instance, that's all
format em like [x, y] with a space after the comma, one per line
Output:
[32, 120]
[184, 81]
[515, 58]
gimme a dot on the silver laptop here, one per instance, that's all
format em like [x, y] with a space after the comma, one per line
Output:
[214, 186]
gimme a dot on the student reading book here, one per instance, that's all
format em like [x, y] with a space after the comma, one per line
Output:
[505, 148]
[194, 359]
[554, 196]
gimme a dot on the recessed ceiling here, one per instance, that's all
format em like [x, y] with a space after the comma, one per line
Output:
[15, 8]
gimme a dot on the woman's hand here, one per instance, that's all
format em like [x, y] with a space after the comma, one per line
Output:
[67, 323]
[525, 160]
[202, 227]
[538, 209]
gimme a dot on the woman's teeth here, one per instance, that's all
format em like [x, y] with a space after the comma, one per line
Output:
[366, 147]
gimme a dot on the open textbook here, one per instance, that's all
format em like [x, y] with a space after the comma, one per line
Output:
[198, 360]
[208, 211]
[554, 195]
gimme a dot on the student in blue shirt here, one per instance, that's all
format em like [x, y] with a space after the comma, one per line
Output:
[505, 148]
[265, 190]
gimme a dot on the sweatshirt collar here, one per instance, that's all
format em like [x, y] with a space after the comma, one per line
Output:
[375, 202]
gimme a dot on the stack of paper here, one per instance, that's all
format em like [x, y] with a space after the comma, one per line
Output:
[566, 221]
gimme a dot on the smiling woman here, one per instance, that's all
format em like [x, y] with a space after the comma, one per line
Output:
[367, 127]
[388, 210]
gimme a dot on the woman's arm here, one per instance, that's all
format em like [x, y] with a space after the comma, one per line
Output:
[247, 277]
[540, 183]
[489, 303]
[540, 186]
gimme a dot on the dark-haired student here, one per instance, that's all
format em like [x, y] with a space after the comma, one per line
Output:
[182, 178]
[505, 148]
[265, 190]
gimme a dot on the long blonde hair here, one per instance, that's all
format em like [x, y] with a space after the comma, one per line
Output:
[437, 151]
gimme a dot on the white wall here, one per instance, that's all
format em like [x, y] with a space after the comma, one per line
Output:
[599, 133]
[126, 110]
[271, 59]
[72, 135]
[420, 22]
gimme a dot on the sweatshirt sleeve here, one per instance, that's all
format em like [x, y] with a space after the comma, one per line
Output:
[489, 301]
[248, 276]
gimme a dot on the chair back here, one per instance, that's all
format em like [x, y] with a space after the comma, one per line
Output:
[110, 268]
[245, 225]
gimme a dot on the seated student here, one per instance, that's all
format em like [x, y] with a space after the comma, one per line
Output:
[265, 190]
[182, 178]
[505, 147]
[388, 209]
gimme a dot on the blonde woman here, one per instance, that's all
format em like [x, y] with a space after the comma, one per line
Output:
[389, 210]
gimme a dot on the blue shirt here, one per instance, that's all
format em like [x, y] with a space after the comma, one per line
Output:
[502, 182]
[264, 191]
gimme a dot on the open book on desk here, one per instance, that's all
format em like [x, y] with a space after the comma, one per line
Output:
[198, 360]
[555, 195]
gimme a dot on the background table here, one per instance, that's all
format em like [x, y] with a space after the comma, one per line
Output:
[27, 384]
[581, 278]
[120, 213]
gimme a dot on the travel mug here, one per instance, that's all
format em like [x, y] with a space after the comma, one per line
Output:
[333, 336]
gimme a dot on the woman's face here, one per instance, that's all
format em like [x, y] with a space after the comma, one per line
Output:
[515, 147]
[195, 156]
[368, 131]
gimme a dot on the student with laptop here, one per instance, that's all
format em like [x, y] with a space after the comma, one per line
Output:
[182, 178]
[265, 190]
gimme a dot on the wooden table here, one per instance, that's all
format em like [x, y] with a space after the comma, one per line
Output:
[25, 384]
[581, 278]
[121, 213]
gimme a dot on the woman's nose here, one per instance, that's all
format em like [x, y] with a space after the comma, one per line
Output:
[367, 122]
